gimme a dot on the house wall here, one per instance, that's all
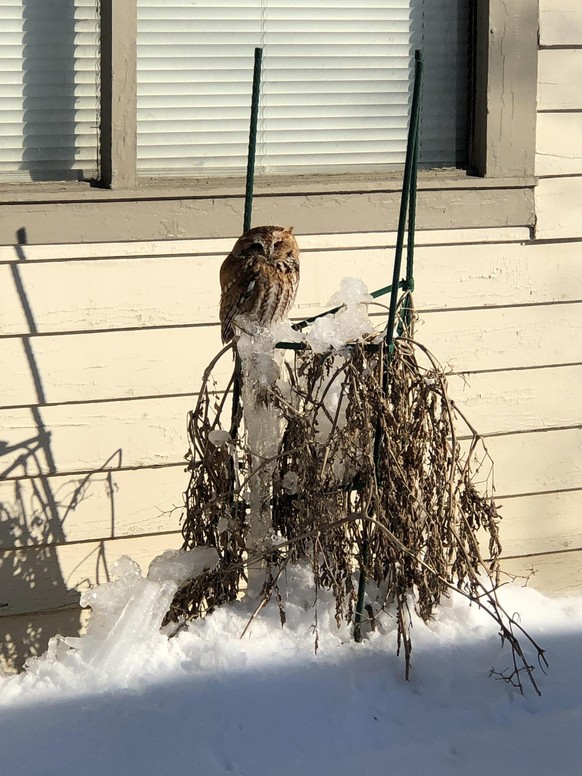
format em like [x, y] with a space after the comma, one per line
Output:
[103, 345]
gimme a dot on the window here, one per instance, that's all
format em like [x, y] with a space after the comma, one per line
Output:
[160, 117]
[336, 86]
[48, 90]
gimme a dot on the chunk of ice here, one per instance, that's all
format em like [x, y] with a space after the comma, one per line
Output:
[349, 323]
[219, 437]
[351, 291]
[126, 618]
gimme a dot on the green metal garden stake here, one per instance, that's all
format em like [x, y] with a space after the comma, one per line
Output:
[406, 203]
[251, 153]
[252, 140]
[408, 285]
[407, 207]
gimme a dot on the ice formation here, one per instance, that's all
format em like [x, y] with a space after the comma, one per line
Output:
[350, 322]
[218, 437]
[335, 331]
[261, 368]
[126, 617]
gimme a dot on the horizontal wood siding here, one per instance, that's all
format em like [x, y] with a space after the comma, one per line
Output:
[178, 291]
[549, 521]
[559, 73]
[541, 524]
[162, 362]
[221, 246]
[96, 396]
[559, 131]
[559, 204]
[103, 347]
[560, 23]
[43, 578]
[120, 435]
[559, 144]
[65, 508]
[555, 573]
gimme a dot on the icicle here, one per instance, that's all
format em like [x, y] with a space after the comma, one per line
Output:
[261, 368]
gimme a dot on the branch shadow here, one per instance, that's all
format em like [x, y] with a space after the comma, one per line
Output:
[34, 508]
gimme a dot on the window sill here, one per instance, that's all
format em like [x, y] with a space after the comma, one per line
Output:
[179, 208]
[204, 188]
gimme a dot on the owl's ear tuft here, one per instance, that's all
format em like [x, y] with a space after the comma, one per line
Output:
[289, 229]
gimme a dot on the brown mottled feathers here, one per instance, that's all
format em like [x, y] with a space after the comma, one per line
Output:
[259, 278]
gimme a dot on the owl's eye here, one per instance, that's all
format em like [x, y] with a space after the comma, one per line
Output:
[258, 247]
[278, 244]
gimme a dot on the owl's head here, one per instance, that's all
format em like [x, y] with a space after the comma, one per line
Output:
[274, 243]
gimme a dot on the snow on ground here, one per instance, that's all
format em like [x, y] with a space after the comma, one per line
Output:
[126, 700]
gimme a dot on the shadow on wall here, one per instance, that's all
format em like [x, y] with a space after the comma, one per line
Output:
[49, 90]
[34, 508]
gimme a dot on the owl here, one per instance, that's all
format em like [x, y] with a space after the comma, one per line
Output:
[259, 277]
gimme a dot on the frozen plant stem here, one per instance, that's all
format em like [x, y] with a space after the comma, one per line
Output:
[263, 424]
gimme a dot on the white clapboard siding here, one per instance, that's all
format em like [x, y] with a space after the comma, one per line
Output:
[97, 295]
[152, 432]
[99, 505]
[101, 295]
[78, 251]
[102, 505]
[60, 573]
[533, 462]
[521, 400]
[79, 565]
[87, 437]
[546, 522]
[559, 72]
[12, 315]
[554, 574]
[114, 365]
[118, 399]
[505, 338]
[16, 381]
[161, 362]
[560, 23]
[93, 295]
[221, 246]
[558, 205]
[455, 277]
[559, 144]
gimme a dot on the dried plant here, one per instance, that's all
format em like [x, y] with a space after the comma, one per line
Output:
[371, 477]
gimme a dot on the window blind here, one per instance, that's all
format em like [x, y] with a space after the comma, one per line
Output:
[48, 89]
[336, 84]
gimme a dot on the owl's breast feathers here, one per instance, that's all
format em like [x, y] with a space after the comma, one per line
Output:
[259, 278]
